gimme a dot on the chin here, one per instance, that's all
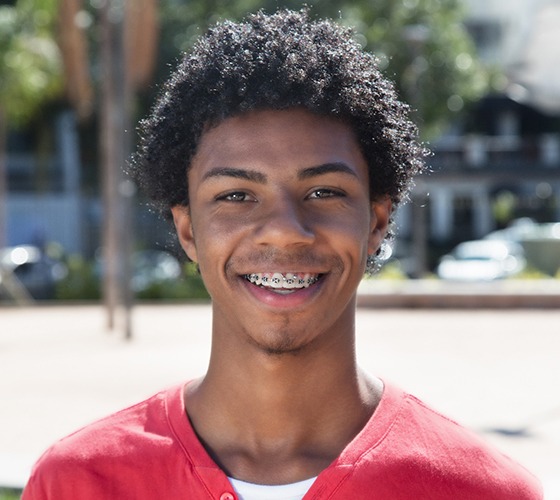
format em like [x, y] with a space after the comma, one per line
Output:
[280, 344]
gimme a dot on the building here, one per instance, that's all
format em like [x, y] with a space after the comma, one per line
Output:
[503, 162]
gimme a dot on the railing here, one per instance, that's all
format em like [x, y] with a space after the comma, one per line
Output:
[497, 152]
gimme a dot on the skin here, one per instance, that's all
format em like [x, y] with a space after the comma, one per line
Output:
[280, 191]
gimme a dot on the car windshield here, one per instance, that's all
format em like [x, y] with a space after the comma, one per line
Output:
[486, 251]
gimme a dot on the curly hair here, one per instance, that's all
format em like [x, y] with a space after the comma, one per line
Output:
[276, 61]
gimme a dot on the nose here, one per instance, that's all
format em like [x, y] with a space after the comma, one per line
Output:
[285, 224]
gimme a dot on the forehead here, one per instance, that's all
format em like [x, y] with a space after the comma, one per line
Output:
[278, 139]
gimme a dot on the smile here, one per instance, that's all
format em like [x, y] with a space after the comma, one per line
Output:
[282, 283]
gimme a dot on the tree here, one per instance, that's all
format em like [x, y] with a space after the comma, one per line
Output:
[425, 47]
[421, 44]
[30, 73]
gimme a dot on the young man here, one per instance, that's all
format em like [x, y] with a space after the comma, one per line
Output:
[280, 152]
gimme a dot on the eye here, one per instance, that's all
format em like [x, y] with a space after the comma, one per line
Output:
[325, 193]
[236, 197]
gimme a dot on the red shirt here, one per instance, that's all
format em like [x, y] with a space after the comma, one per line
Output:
[150, 451]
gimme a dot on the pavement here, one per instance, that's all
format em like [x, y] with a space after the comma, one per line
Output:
[496, 371]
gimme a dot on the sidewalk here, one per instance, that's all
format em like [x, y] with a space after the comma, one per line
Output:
[496, 371]
[434, 293]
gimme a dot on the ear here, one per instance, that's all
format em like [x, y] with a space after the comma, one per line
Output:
[381, 210]
[183, 226]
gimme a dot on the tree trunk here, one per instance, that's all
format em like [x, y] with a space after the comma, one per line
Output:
[114, 147]
[141, 37]
[3, 180]
[74, 49]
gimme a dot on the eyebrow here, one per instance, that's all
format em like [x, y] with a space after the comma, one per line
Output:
[326, 168]
[260, 178]
[237, 173]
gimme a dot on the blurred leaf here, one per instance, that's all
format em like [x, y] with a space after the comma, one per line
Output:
[31, 69]
[422, 45]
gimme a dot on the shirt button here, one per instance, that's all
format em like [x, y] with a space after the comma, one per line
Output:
[227, 496]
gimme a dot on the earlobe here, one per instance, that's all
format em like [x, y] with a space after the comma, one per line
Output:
[183, 226]
[381, 210]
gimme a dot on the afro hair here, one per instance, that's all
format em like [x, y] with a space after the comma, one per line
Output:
[276, 61]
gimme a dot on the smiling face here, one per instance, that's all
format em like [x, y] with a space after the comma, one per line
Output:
[280, 223]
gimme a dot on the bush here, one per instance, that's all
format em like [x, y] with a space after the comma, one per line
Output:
[9, 494]
[189, 286]
[83, 283]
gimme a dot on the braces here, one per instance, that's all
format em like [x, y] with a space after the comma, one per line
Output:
[275, 280]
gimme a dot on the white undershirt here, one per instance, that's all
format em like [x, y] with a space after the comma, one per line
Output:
[250, 491]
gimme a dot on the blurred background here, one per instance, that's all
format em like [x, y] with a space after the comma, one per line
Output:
[483, 79]
[77, 75]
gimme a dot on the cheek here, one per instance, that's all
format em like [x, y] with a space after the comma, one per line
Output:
[215, 240]
[354, 219]
[351, 231]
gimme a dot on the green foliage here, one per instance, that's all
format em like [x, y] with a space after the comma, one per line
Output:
[503, 207]
[424, 46]
[531, 273]
[31, 69]
[421, 44]
[188, 287]
[83, 283]
[392, 271]
[9, 494]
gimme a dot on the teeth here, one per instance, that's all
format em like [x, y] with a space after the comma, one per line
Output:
[277, 280]
[286, 281]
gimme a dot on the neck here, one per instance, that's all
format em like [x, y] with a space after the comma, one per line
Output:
[288, 390]
[309, 403]
[264, 383]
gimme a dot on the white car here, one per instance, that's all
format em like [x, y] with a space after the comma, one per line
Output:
[482, 260]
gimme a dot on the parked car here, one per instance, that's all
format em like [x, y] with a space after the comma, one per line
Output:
[482, 260]
[33, 268]
[153, 266]
[148, 268]
[540, 242]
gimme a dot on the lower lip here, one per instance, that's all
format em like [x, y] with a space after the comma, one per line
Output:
[284, 301]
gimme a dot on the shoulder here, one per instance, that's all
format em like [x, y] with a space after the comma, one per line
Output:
[427, 452]
[133, 439]
[112, 434]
